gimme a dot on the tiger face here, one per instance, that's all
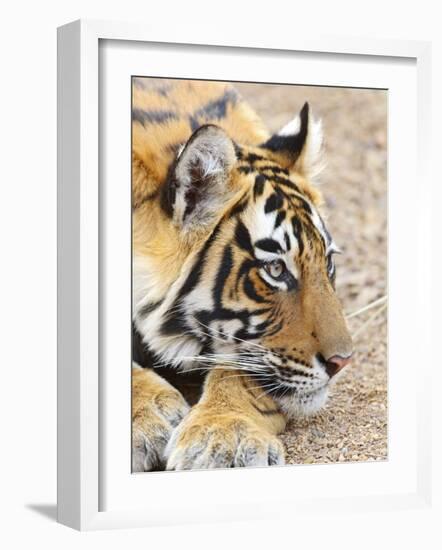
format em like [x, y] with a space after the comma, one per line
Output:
[256, 293]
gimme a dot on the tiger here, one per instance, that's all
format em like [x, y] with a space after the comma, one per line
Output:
[233, 278]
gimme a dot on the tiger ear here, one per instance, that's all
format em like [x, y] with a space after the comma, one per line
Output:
[298, 145]
[197, 188]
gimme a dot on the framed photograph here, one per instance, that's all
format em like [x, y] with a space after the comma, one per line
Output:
[233, 277]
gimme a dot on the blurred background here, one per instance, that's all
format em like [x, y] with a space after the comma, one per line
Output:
[353, 426]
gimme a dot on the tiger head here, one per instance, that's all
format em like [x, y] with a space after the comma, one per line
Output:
[256, 288]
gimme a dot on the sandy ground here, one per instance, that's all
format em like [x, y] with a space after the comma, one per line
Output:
[353, 426]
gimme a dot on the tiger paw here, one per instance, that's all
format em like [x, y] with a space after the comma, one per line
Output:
[226, 440]
[157, 408]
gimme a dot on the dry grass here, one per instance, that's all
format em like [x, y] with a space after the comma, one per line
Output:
[353, 426]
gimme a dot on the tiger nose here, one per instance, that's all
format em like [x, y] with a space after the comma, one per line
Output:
[336, 363]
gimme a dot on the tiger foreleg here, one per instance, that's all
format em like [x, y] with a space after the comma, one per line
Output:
[157, 408]
[234, 424]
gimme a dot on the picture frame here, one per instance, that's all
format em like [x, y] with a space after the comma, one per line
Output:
[85, 460]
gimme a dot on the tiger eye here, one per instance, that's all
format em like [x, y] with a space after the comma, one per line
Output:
[275, 269]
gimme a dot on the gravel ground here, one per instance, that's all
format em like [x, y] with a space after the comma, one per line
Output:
[353, 426]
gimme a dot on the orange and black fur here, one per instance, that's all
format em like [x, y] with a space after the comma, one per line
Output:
[233, 277]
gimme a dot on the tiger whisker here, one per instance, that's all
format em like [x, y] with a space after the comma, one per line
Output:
[287, 388]
[231, 356]
[234, 366]
[203, 359]
[248, 375]
[219, 367]
[266, 392]
[264, 386]
[235, 361]
[210, 369]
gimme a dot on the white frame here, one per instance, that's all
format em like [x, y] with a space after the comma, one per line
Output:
[78, 259]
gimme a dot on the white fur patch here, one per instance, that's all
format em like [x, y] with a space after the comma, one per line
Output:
[292, 128]
[169, 348]
[148, 285]
[304, 404]
[312, 158]
[310, 161]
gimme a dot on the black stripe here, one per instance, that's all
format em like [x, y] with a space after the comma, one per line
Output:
[297, 230]
[262, 326]
[244, 334]
[287, 241]
[258, 188]
[222, 314]
[253, 157]
[149, 307]
[245, 169]
[274, 169]
[269, 245]
[223, 272]
[250, 291]
[284, 182]
[280, 180]
[195, 275]
[274, 202]
[217, 108]
[141, 353]
[174, 324]
[292, 370]
[279, 218]
[168, 191]
[304, 204]
[238, 151]
[152, 117]
[265, 412]
[239, 207]
[246, 266]
[242, 237]
[275, 330]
